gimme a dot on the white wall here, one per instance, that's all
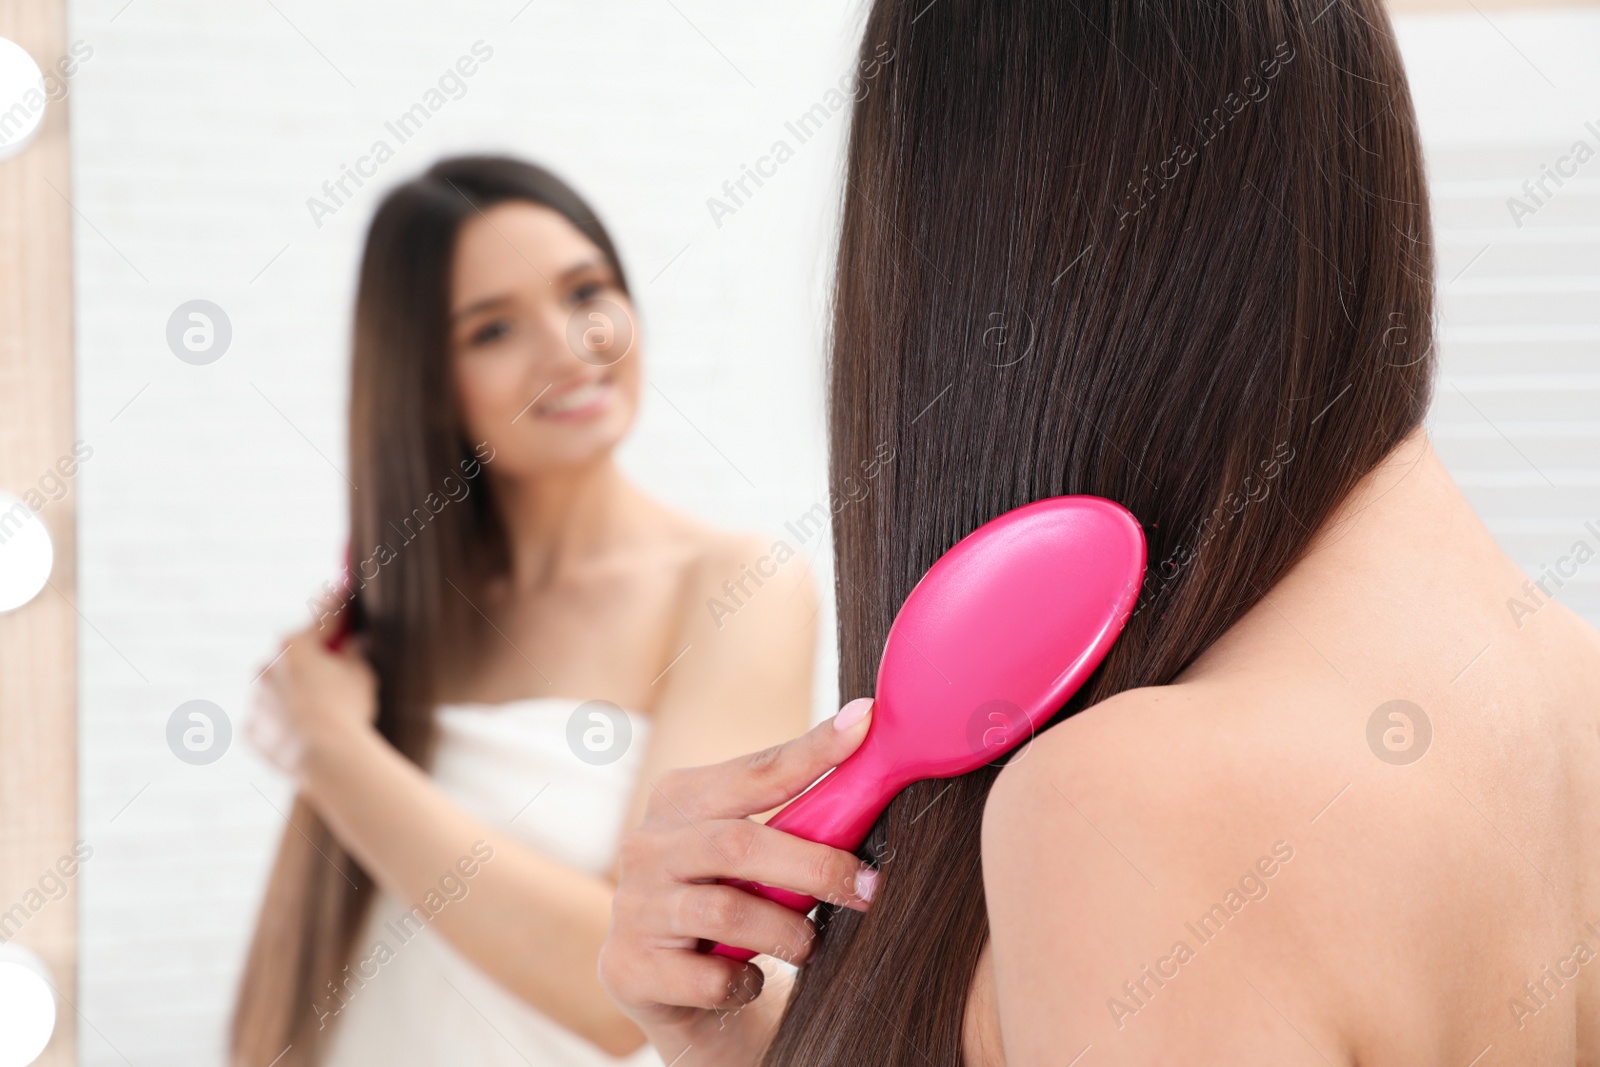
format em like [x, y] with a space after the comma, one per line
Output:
[1516, 415]
[211, 506]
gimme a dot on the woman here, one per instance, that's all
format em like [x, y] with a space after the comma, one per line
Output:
[533, 647]
[1333, 797]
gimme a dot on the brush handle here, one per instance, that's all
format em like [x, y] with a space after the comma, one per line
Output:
[342, 623]
[341, 632]
[838, 811]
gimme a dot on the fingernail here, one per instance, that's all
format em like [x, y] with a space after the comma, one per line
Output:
[866, 883]
[852, 713]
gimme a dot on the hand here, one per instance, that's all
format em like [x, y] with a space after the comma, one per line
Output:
[309, 696]
[696, 829]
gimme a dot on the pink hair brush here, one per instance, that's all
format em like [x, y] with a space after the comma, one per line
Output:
[993, 640]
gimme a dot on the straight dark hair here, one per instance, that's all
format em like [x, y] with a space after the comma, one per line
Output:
[407, 446]
[1174, 254]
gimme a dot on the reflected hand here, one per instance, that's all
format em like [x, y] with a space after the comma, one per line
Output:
[309, 696]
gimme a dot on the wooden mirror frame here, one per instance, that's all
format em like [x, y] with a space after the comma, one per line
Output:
[39, 641]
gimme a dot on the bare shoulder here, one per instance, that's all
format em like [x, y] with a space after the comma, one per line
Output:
[1136, 858]
[1238, 749]
[725, 574]
[746, 631]
[748, 586]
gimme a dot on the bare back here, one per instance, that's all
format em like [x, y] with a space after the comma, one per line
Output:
[1363, 828]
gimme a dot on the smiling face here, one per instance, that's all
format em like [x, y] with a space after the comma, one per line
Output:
[544, 342]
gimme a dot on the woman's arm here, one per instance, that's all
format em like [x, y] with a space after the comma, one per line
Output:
[531, 924]
[742, 679]
[535, 926]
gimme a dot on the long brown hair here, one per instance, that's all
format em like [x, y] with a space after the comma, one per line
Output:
[425, 538]
[1174, 254]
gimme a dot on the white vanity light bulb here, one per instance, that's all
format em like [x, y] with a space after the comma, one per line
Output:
[23, 98]
[26, 554]
[27, 1006]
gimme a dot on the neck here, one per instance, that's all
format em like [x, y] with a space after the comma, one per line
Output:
[1403, 544]
[560, 517]
[1407, 501]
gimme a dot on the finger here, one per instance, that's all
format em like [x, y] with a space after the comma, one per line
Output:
[272, 679]
[734, 917]
[334, 631]
[259, 729]
[331, 602]
[747, 785]
[309, 646]
[308, 638]
[266, 730]
[739, 848]
[688, 979]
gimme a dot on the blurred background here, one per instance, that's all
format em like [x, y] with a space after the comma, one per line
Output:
[195, 154]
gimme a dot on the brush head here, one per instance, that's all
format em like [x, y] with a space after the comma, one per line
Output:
[1000, 633]
[993, 640]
